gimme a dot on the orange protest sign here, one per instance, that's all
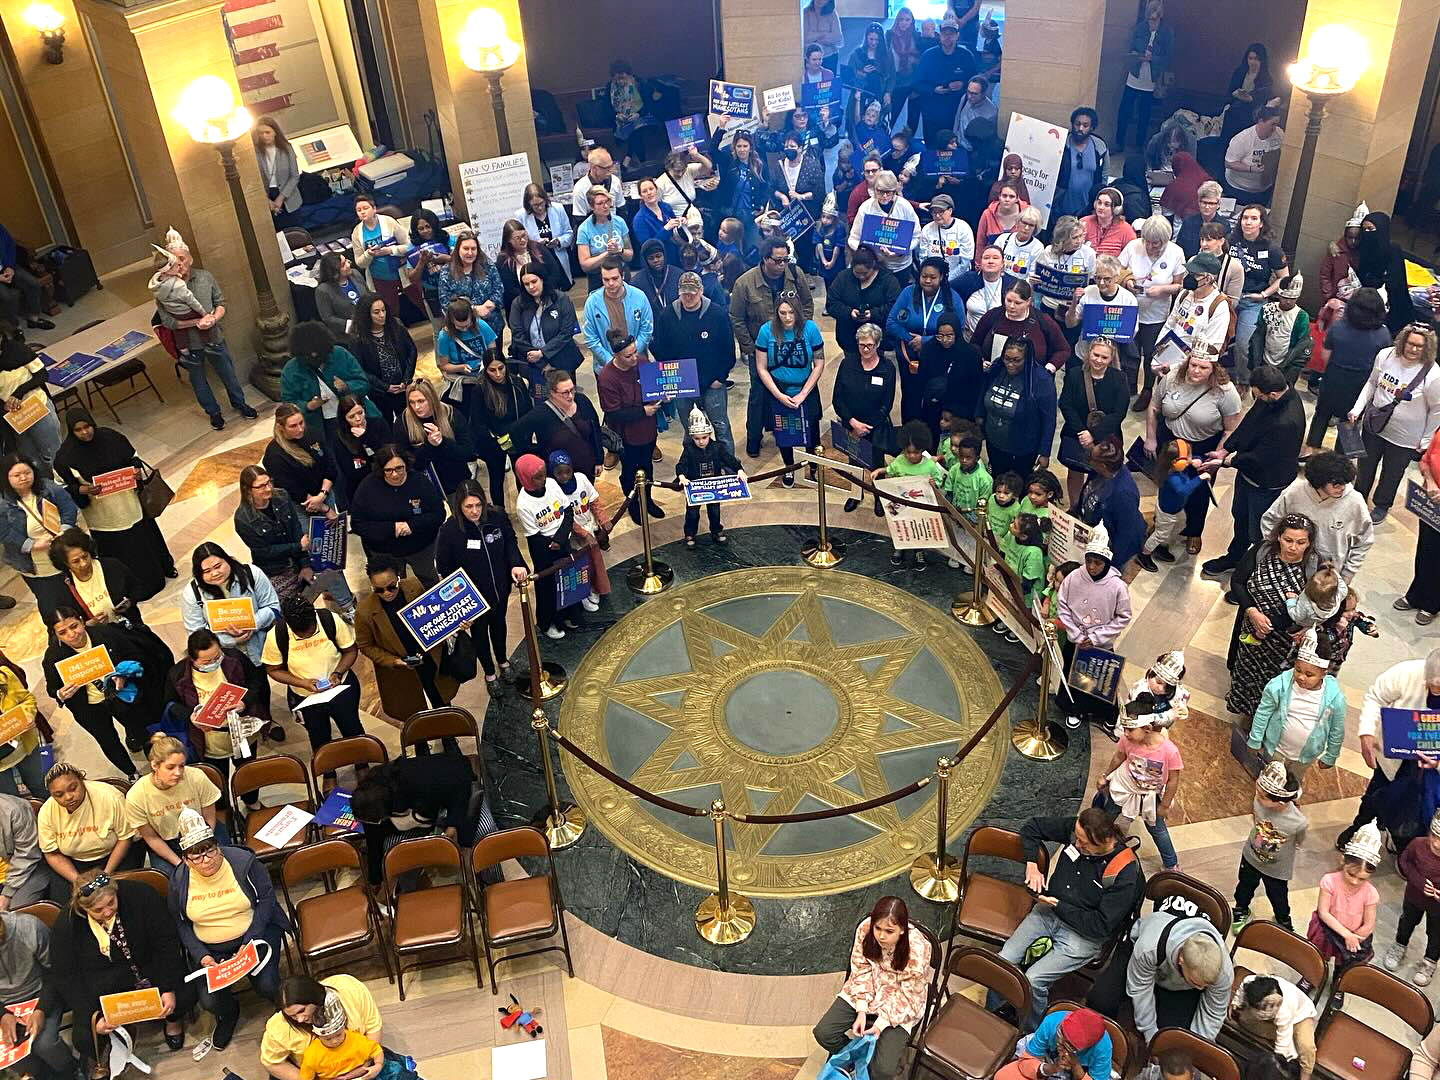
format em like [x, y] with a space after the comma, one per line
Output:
[231, 615]
[132, 1006]
[217, 706]
[32, 410]
[15, 722]
[20, 1050]
[50, 517]
[87, 666]
[219, 976]
[114, 480]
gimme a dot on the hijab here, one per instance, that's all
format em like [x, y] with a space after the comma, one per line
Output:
[106, 451]
[1373, 255]
[1019, 185]
[558, 458]
[1181, 197]
[525, 469]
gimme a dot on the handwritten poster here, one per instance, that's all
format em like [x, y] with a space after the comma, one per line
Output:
[911, 527]
[493, 188]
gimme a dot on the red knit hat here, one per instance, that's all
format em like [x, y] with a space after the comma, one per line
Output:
[1082, 1028]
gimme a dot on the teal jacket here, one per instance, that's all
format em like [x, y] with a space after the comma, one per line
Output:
[299, 386]
[1329, 732]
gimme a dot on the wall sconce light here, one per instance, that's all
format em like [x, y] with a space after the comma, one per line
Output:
[51, 25]
[486, 47]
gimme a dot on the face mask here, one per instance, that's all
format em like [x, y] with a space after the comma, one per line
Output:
[210, 667]
[1190, 282]
[792, 152]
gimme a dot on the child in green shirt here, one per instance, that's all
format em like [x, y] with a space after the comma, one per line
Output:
[1041, 489]
[967, 481]
[1027, 558]
[1002, 509]
[913, 460]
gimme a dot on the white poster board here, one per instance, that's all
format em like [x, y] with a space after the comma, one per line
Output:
[780, 99]
[494, 193]
[1040, 146]
[911, 527]
[1068, 537]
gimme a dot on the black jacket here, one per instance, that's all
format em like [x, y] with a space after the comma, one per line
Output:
[1111, 398]
[965, 377]
[237, 670]
[378, 506]
[353, 463]
[142, 646]
[714, 460]
[451, 458]
[660, 295]
[487, 551]
[1097, 893]
[363, 346]
[434, 787]
[486, 427]
[859, 396]
[874, 301]
[273, 534]
[558, 326]
[1266, 442]
[541, 431]
[297, 479]
[550, 270]
[705, 334]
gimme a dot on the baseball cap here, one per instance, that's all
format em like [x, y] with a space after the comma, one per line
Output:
[690, 282]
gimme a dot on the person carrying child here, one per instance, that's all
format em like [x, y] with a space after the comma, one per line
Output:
[589, 531]
[1143, 775]
[1420, 867]
[1321, 599]
[913, 460]
[1176, 476]
[1343, 926]
[702, 458]
[1268, 857]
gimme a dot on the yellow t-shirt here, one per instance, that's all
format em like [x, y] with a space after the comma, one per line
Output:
[282, 1041]
[326, 1063]
[217, 906]
[145, 804]
[92, 831]
[217, 742]
[313, 657]
[94, 593]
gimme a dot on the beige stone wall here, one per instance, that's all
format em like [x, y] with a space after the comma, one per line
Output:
[407, 64]
[1362, 145]
[1052, 57]
[760, 41]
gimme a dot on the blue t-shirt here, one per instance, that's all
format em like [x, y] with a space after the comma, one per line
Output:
[595, 238]
[385, 267]
[480, 338]
[789, 361]
[1044, 1041]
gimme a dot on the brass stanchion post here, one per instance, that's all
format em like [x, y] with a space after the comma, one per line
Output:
[723, 919]
[1039, 739]
[563, 824]
[976, 612]
[937, 876]
[824, 553]
[547, 680]
[650, 577]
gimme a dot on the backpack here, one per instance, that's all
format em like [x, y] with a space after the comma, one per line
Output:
[282, 634]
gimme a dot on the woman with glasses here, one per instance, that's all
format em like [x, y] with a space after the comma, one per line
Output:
[863, 396]
[117, 936]
[408, 678]
[398, 512]
[789, 357]
[1398, 410]
[82, 827]
[222, 899]
[1207, 202]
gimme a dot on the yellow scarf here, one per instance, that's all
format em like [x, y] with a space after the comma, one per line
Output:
[102, 934]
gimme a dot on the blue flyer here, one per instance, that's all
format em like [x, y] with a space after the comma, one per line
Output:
[572, 582]
[335, 812]
[813, 95]
[686, 131]
[443, 610]
[127, 344]
[795, 220]
[1114, 321]
[732, 100]
[1056, 283]
[1097, 672]
[887, 233]
[73, 369]
[327, 542]
[669, 378]
[716, 489]
[861, 451]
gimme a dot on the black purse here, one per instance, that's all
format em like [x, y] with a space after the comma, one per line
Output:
[458, 660]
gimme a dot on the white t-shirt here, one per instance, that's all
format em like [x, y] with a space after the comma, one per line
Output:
[1192, 322]
[1300, 721]
[1079, 261]
[1295, 1008]
[983, 299]
[580, 205]
[1248, 146]
[1164, 269]
[1019, 258]
[955, 244]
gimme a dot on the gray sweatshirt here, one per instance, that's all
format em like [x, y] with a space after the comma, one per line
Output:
[1344, 531]
[25, 877]
[24, 957]
[1147, 971]
[1273, 839]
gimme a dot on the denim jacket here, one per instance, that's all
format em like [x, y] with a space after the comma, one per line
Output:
[14, 524]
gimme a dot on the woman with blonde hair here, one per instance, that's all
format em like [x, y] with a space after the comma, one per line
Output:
[438, 435]
[1398, 411]
[299, 462]
[154, 802]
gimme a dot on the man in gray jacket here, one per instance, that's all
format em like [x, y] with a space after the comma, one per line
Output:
[1175, 971]
[24, 971]
[27, 875]
[1326, 495]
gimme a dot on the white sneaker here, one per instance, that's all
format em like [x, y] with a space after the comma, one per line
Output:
[1395, 956]
[555, 633]
[1424, 972]
[954, 564]
[590, 603]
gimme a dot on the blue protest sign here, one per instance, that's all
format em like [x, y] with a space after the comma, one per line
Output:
[72, 369]
[1423, 506]
[716, 489]
[1097, 672]
[327, 543]
[127, 344]
[813, 95]
[443, 610]
[887, 233]
[669, 378]
[795, 220]
[861, 451]
[1408, 732]
[1114, 321]
[791, 427]
[1056, 283]
[335, 812]
[732, 100]
[572, 582]
[686, 131]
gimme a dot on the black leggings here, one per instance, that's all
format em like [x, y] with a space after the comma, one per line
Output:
[494, 459]
[100, 722]
[1277, 891]
[489, 633]
[1410, 916]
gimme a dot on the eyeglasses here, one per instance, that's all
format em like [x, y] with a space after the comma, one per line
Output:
[200, 854]
[869, 346]
[566, 393]
[393, 470]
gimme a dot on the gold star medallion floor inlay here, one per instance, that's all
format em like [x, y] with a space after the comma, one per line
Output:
[782, 690]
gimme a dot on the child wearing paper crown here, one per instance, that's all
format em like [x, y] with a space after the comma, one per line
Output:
[1176, 476]
[704, 457]
[1420, 867]
[1343, 926]
[1143, 775]
[336, 1051]
[1163, 682]
[1268, 856]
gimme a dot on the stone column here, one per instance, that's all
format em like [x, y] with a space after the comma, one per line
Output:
[152, 54]
[760, 42]
[1363, 142]
[462, 96]
[1052, 58]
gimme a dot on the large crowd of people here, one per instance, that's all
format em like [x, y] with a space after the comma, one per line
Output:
[955, 357]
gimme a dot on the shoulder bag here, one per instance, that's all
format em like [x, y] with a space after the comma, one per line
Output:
[1140, 460]
[1375, 419]
[152, 490]
[1071, 454]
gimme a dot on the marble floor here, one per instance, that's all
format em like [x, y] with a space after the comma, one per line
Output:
[629, 1013]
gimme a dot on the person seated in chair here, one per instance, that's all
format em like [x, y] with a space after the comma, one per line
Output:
[20, 290]
[1174, 970]
[1094, 885]
[1068, 1045]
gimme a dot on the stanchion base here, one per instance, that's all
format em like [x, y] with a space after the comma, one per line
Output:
[972, 614]
[942, 885]
[1039, 744]
[823, 558]
[729, 927]
[565, 828]
[660, 578]
[553, 680]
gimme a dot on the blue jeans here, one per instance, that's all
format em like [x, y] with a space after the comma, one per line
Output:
[714, 403]
[1070, 952]
[1247, 507]
[1159, 832]
[31, 769]
[193, 361]
[41, 440]
[1247, 316]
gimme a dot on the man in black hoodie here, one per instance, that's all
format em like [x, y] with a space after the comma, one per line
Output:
[656, 278]
[694, 326]
[1264, 451]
